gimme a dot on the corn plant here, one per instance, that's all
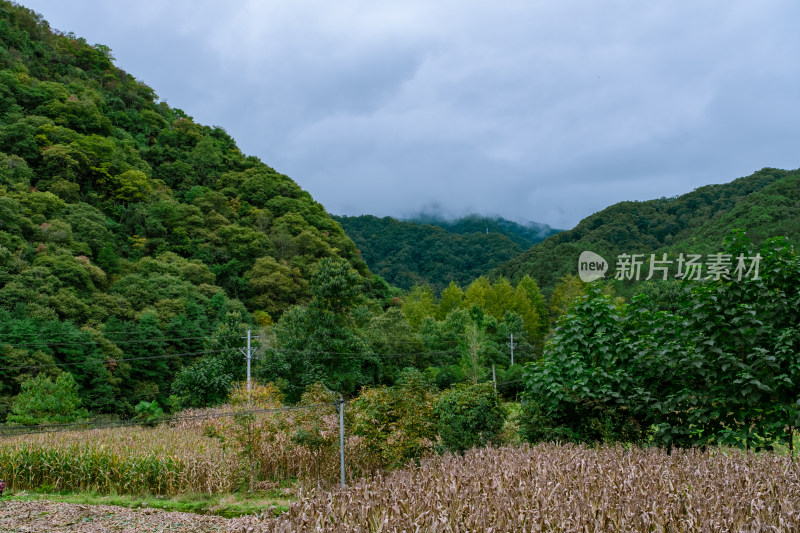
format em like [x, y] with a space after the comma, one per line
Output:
[564, 488]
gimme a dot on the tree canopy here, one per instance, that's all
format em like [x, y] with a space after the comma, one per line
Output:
[128, 232]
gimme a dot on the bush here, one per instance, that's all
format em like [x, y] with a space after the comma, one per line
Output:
[43, 401]
[397, 422]
[468, 416]
[149, 413]
[584, 421]
[535, 426]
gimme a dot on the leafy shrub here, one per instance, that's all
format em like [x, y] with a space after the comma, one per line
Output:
[44, 401]
[397, 422]
[583, 421]
[149, 412]
[468, 416]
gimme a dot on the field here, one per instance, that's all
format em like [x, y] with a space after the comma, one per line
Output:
[542, 488]
[206, 454]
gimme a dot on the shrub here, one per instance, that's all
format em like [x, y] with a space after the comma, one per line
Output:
[468, 416]
[150, 413]
[397, 422]
[584, 421]
[43, 401]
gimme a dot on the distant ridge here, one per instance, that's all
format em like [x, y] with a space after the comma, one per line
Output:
[432, 250]
[766, 204]
[525, 235]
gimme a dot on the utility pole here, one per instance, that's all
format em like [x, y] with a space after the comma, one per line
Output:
[248, 353]
[494, 379]
[511, 345]
[340, 408]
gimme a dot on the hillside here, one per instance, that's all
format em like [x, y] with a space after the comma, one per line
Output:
[525, 235]
[766, 204]
[434, 251]
[126, 228]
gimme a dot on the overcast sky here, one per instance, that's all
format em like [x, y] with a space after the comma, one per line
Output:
[533, 110]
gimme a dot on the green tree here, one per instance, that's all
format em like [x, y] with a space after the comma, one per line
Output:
[500, 299]
[389, 333]
[588, 376]
[469, 416]
[479, 294]
[473, 358]
[320, 341]
[208, 381]
[565, 293]
[44, 401]
[275, 286]
[336, 286]
[723, 370]
[451, 299]
[533, 324]
[418, 304]
[397, 422]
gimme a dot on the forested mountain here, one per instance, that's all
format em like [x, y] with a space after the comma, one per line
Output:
[432, 250]
[766, 204]
[129, 231]
[525, 235]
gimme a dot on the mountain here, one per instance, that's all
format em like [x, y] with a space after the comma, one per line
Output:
[766, 204]
[126, 227]
[434, 251]
[525, 235]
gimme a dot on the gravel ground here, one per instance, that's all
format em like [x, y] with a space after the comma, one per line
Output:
[53, 517]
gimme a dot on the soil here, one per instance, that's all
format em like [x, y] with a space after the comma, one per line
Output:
[52, 517]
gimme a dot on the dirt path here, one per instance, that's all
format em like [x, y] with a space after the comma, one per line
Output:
[53, 517]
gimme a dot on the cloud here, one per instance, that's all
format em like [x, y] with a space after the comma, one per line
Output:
[534, 110]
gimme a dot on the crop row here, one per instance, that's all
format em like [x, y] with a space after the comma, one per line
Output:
[564, 488]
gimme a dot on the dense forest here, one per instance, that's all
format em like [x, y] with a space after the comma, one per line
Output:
[766, 203]
[433, 250]
[525, 235]
[128, 230]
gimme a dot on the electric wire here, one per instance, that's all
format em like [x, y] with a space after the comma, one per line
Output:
[110, 360]
[307, 353]
[97, 343]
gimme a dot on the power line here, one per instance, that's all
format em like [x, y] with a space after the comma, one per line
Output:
[363, 354]
[303, 354]
[99, 343]
[207, 352]
[111, 359]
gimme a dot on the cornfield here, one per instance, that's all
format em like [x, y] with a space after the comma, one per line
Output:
[563, 488]
[521, 489]
[202, 455]
[123, 460]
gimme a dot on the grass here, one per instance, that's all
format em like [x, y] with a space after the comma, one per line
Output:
[230, 505]
[783, 449]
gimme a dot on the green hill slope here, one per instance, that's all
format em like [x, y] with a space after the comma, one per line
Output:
[525, 235]
[435, 251]
[766, 204]
[126, 229]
